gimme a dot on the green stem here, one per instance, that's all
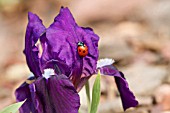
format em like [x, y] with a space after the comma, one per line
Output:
[88, 95]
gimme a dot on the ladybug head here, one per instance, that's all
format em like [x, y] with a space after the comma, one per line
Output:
[80, 44]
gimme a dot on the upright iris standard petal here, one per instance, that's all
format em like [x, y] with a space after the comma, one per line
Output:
[63, 37]
[127, 97]
[34, 30]
[90, 62]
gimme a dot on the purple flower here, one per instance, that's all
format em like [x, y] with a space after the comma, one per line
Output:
[69, 58]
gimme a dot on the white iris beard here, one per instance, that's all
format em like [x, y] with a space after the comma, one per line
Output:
[48, 72]
[104, 62]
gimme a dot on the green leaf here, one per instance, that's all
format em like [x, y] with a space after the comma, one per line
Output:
[13, 108]
[88, 95]
[95, 94]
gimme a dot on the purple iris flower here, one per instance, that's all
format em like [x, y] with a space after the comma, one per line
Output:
[62, 69]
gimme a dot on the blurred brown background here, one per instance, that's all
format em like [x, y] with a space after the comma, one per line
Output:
[135, 33]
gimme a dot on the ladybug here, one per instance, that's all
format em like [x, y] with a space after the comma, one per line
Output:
[82, 49]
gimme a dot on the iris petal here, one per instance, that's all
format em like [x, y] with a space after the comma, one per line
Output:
[62, 38]
[34, 30]
[90, 62]
[54, 95]
[36, 98]
[63, 32]
[63, 95]
[22, 93]
[127, 97]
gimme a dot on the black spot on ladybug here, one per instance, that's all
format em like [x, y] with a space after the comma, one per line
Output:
[84, 51]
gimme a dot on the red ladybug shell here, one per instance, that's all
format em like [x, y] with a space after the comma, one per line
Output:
[82, 50]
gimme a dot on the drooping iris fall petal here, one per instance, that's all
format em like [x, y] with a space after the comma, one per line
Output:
[22, 93]
[127, 97]
[53, 95]
[67, 98]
